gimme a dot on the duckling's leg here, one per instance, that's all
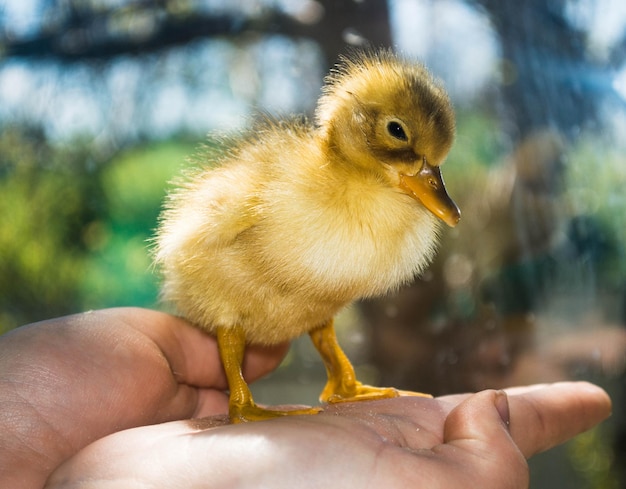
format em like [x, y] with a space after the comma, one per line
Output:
[342, 384]
[241, 406]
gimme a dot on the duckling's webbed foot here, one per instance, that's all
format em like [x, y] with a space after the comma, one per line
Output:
[243, 413]
[342, 385]
[241, 406]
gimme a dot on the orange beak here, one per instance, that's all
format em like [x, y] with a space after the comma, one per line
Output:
[427, 187]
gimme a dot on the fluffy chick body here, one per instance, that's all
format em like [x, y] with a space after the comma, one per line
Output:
[299, 220]
[278, 238]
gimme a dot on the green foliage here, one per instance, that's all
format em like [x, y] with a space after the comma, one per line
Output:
[44, 196]
[593, 458]
[478, 141]
[475, 151]
[73, 233]
[595, 182]
[118, 271]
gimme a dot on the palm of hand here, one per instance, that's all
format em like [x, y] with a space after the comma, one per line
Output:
[68, 382]
[454, 441]
[76, 379]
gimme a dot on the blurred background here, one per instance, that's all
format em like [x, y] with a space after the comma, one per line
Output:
[101, 101]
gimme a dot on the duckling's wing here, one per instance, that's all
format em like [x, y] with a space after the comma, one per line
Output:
[208, 212]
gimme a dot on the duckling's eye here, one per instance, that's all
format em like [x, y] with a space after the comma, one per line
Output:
[395, 129]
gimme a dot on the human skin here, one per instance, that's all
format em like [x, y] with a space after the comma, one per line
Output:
[132, 397]
[67, 382]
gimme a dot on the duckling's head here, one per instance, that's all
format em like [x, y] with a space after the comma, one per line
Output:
[387, 115]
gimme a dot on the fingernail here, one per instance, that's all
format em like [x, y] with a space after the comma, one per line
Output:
[502, 405]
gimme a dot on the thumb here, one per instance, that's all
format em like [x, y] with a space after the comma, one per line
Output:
[478, 428]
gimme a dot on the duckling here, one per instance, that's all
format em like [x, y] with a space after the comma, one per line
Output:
[298, 220]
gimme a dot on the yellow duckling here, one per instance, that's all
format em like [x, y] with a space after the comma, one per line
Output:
[298, 220]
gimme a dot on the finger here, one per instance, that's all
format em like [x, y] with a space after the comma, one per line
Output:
[210, 402]
[194, 361]
[547, 415]
[193, 355]
[478, 430]
[260, 360]
[175, 364]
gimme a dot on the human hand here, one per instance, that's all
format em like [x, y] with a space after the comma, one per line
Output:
[471, 440]
[67, 382]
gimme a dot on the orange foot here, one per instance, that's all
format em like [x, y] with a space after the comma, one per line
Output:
[342, 385]
[239, 413]
[362, 392]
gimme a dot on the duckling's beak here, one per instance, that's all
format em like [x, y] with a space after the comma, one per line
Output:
[427, 187]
